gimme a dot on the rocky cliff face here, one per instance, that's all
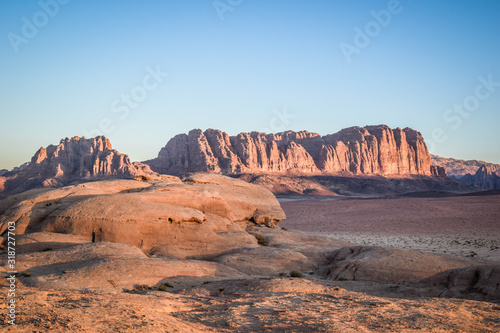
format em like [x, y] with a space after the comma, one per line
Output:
[438, 171]
[484, 179]
[75, 159]
[356, 150]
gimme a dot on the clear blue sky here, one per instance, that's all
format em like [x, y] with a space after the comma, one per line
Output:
[70, 76]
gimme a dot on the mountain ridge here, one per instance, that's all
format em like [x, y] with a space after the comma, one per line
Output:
[75, 159]
[457, 168]
[375, 150]
[287, 157]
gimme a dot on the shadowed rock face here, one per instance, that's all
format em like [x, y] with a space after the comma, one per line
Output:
[72, 160]
[206, 215]
[480, 174]
[387, 265]
[483, 179]
[458, 168]
[358, 150]
[480, 282]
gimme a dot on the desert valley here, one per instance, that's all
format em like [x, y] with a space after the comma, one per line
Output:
[362, 230]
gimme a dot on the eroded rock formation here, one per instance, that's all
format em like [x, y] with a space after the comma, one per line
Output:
[75, 159]
[357, 150]
[456, 168]
[484, 178]
[205, 215]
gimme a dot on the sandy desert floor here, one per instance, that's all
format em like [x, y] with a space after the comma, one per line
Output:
[464, 225]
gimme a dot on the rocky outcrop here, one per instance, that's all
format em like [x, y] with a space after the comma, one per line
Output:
[438, 171]
[483, 179]
[357, 150]
[109, 267]
[205, 215]
[387, 265]
[480, 282]
[72, 160]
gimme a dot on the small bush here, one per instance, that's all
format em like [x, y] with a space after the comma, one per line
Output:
[282, 274]
[142, 178]
[166, 284]
[161, 287]
[261, 239]
[133, 290]
[343, 279]
[296, 274]
[143, 287]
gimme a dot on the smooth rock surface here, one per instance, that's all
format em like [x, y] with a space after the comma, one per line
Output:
[388, 265]
[204, 216]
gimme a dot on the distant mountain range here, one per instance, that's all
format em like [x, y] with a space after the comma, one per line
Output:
[480, 174]
[459, 168]
[296, 162]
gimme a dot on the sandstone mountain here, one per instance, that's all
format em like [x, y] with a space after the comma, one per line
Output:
[456, 168]
[484, 178]
[72, 160]
[371, 150]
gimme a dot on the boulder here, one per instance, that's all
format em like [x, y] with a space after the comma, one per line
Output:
[388, 265]
[479, 283]
[204, 216]
[265, 261]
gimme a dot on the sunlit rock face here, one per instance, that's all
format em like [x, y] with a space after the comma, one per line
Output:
[375, 150]
[72, 160]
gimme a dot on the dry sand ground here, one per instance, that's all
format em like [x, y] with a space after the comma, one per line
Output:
[258, 305]
[464, 225]
[455, 225]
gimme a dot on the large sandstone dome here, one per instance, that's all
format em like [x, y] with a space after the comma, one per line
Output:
[205, 215]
